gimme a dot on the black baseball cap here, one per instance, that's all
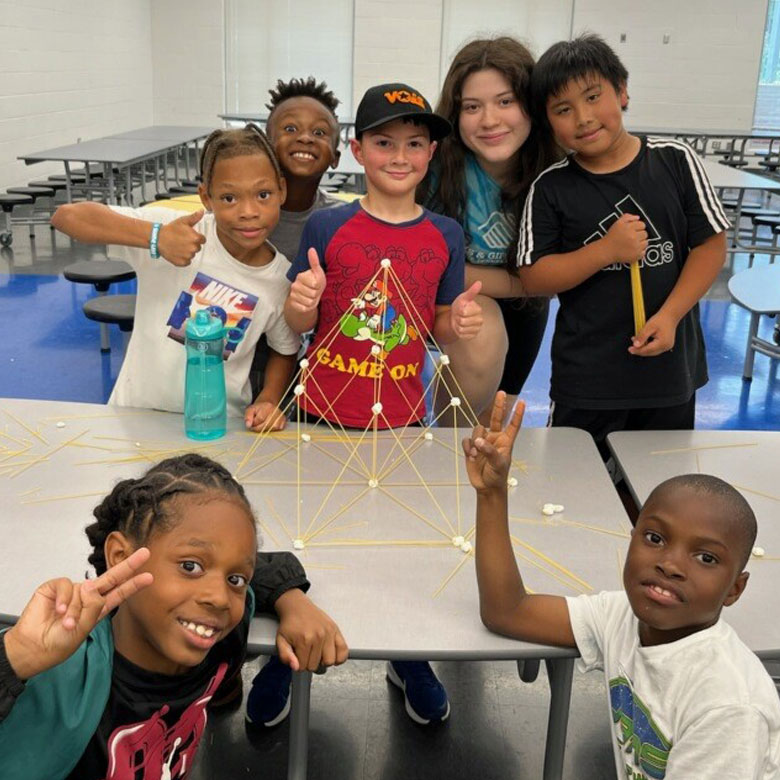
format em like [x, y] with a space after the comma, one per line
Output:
[387, 102]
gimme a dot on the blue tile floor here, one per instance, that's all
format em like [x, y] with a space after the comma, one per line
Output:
[358, 728]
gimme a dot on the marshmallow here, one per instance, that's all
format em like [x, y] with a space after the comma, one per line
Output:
[60, 424]
[457, 541]
[758, 552]
[304, 363]
[372, 483]
[305, 437]
[298, 544]
[298, 390]
[377, 407]
[454, 401]
[444, 360]
[558, 508]
[428, 436]
[375, 350]
[138, 444]
[386, 262]
[548, 509]
[466, 547]
[512, 482]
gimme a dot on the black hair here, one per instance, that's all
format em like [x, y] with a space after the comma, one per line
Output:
[573, 60]
[137, 507]
[739, 514]
[302, 88]
[223, 144]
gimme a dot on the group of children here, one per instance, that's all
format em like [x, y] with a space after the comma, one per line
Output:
[375, 279]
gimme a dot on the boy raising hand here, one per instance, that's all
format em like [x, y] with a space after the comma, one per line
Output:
[688, 698]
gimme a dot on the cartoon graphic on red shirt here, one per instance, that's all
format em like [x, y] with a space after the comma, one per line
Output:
[155, 750]
[373, 318]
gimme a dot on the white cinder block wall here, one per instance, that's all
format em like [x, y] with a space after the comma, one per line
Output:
[188, 59]
[705, 76]
[84, 68]
[397, 40]
[70, 69]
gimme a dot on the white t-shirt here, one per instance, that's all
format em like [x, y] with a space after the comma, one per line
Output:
[250, 299]
[701, 707]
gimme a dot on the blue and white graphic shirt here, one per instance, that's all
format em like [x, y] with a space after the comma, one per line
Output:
[702, 706]
[489, 230]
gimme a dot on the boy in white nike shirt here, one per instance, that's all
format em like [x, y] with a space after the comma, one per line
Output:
[688, 698]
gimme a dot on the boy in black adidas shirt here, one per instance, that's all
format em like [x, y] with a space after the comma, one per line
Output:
[615, 200]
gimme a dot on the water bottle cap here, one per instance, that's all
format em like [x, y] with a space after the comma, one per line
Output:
[205, 326]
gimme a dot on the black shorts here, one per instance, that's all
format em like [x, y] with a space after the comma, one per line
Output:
[601, 422]
[525, 320]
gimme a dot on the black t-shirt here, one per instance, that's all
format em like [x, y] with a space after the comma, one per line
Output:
[152, 723]
[568, 207]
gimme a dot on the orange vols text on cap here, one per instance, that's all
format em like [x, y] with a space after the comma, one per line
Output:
[402, 96]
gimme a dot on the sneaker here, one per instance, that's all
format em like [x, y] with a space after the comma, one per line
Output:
[424, 696]
[268, 703]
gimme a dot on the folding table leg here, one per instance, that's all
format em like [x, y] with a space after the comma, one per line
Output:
[750, 355]
[560, 671]
[298, 758]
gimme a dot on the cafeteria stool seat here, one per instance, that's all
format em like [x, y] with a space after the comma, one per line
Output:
[39, 216]
[8, 202]
[773, 223]
[101, 274]
[183, 190]
[112, 310]
[57, 186]
[758, 291]
[34, 192]
[733, 163]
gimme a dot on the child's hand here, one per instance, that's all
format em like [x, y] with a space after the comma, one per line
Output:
[656, 337]
[264, 416]
[489, 453]
[307, 637]
[61, 613]
[466, 313]
[178, 241]
[307, 289]
[626, 239]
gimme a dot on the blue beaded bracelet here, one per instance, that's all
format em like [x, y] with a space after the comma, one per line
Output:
[153, 251]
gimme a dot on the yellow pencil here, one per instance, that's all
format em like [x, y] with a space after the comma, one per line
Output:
[637, 298]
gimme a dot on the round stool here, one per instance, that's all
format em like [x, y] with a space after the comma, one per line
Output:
[101, 274]
[9, 201]
[112, 310]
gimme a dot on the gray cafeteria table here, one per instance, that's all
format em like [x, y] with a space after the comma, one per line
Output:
[403, 591]
[723, 177]
[120, 151]
[180, 135]
[749, 460]
[736, 140]
[111, 153]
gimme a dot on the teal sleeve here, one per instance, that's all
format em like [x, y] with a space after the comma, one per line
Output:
[59, 710]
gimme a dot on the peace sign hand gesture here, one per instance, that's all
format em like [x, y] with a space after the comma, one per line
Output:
[489, 452]
[61, 613]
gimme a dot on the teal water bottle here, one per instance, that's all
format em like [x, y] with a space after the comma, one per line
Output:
[205, 400]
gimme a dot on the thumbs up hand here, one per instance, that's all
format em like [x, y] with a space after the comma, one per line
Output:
[307, 289]
[178, 241]
[466, 313]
